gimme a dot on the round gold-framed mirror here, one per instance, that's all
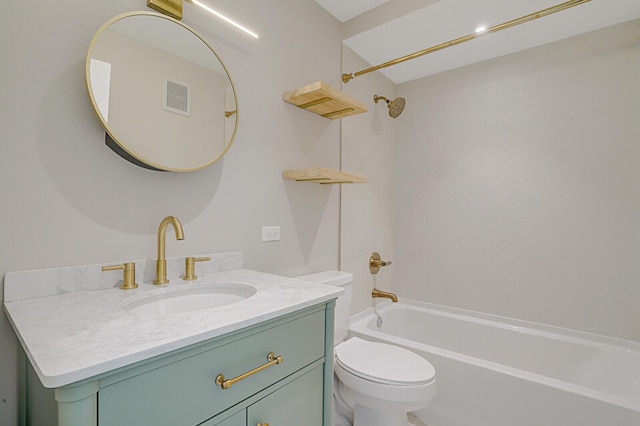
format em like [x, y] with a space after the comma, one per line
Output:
[161, 92]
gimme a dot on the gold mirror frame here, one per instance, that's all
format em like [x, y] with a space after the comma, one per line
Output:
[119, 142]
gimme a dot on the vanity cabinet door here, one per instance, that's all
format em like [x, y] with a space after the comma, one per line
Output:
[238, 419]
[296, 404]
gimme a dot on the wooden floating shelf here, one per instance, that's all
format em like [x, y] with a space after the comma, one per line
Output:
[324, 100]
[323, 176]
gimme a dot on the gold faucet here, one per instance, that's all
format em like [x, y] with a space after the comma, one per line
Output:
[161, 262]
[384, 294]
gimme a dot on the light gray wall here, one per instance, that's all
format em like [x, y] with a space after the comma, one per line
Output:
[69, 200]
[518, 185]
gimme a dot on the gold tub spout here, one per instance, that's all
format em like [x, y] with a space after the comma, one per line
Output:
[384, 294]
[161, 262]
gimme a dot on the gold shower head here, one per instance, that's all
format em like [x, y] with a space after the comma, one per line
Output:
[396, 106]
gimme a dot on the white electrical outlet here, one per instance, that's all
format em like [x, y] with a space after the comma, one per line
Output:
[270, 233]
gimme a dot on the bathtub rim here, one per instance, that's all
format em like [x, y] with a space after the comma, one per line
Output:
[358, 327]
[512, 324]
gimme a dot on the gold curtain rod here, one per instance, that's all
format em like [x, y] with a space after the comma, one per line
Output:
[541, 13]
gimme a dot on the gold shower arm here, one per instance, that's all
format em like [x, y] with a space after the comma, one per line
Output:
[541, 13]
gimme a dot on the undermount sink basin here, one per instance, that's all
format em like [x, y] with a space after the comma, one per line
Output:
[187, 299]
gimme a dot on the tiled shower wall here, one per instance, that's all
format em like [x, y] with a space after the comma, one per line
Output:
[367, 216]
[517, 187]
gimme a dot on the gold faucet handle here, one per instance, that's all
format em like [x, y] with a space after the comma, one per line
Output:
[190, 267]
[128, 275]
[376, 262]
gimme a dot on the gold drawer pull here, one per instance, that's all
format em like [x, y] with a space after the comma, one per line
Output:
[227, 383]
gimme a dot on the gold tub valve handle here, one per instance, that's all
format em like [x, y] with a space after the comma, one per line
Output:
[190, 267]
[128, 275]
[262, 424]
[376, 262]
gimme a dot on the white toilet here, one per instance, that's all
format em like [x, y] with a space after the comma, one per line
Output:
[378, 381]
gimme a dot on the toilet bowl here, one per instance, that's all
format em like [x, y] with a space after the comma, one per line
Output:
[379, 382]
[382, 382]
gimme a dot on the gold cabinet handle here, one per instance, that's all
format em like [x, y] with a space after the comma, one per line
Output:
[227, 383]
[128, 276]
[190, 267]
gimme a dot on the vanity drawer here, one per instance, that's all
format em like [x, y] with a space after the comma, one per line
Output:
[185, 393]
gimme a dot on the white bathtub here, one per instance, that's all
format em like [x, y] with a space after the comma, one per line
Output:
[495, 371]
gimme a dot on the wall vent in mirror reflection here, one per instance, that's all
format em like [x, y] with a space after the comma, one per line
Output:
[176, 98]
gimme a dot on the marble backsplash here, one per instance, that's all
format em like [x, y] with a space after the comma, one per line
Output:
[48, 282]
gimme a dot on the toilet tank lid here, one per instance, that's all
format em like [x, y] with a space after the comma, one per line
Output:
[334, 278]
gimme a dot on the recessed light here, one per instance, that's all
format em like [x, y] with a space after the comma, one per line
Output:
[481, 29]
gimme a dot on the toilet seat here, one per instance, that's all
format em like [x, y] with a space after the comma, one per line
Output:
[383, 363]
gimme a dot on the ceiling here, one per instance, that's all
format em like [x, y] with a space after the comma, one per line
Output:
[382, 30]
[346, 10]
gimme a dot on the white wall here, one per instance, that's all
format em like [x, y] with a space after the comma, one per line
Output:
[518, 185]
[68, 200]
[367, 219]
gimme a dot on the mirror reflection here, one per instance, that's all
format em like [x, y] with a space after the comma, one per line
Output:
[161, 92]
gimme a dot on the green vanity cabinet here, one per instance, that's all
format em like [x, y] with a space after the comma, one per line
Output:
[179, 388]
[297, 403]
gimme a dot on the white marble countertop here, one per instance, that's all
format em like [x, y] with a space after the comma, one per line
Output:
[82, 333]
